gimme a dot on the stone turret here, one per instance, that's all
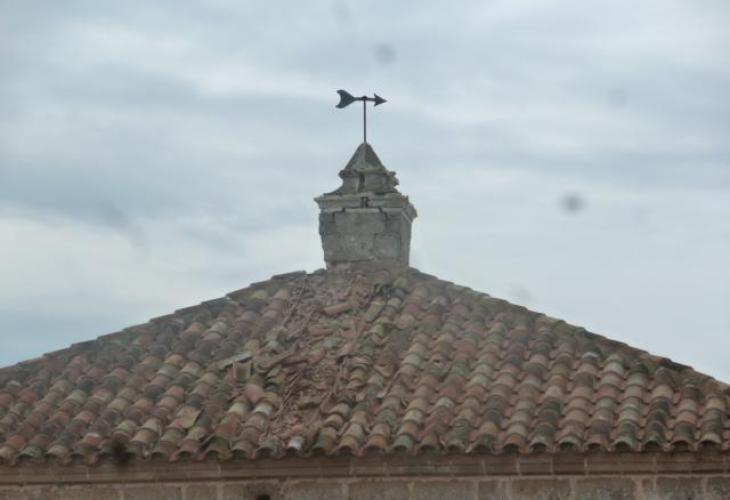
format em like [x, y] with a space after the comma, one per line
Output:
[366, 222]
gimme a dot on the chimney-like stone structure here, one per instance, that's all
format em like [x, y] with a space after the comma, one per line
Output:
[366, 222]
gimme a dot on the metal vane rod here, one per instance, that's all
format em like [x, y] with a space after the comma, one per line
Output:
[346, 99]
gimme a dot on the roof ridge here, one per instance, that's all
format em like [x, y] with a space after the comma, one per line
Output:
[77, 347]
[333, 363]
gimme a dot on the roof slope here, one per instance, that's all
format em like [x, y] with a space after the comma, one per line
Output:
[324, 364]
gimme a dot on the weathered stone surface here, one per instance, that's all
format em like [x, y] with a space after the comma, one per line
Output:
[718, 488]
[491, 490]
[393, 223]
[676, 488]
[31, 493]
[152, 492]
[378, 490]
[201, 492]
[60, 493]
[10, 493]
[332, 245]
[540, 489]
[605, 489]
[357, 221]
[684, 487]
[439, 490]
[84, 493]
[251, 491]
[327, 223]
[387, 246]
[313, 490]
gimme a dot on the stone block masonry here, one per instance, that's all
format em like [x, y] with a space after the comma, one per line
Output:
[365, 235]
[689, 487]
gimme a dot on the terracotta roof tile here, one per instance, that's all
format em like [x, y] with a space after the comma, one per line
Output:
[335, 364]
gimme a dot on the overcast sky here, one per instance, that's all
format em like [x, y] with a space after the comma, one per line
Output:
[572, 156]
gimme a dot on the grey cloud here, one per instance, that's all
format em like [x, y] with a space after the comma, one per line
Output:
[201, 133]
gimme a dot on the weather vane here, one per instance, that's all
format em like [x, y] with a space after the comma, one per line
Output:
[346, 99]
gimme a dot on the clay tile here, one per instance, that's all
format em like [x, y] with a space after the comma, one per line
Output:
[143, 439]
[716, 403]
[243, 448]
[662, 391]
[413, 359]
[59, 451]
[637, 378]
[296, 444]
[608, 392]
[342, 409]
[77, 397]
[264, 408]
[6, 399]
[376, 442]
[325, 441]
[468, 416]
[239, 408]
[549, 416]
[513, 443]
[403, 444]
[191, 367]
[17, 442]
[445, 402]
[615, 366]
[626, 438]
[488, 428]
[172, 436]
[540, 443]
[532, 380]
[62, 386]
[419, 403]
[687, 415]
[568, 443]
[355, 430]
[476, 392]
[409, 427]
[710, 439]
[381, 428]
[506, 379]
[271, 446]
[554, 392]
[348, 445]
[598, 442]
[334, 420]
[186, 416]
[253, 393]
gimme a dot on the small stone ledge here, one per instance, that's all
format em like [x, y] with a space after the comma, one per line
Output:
[706, 487]
[484, 466]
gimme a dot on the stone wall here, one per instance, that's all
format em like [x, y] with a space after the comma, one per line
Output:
[365, 234]
[694, 487]
[565, 476]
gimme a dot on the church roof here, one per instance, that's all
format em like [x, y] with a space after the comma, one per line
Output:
[350, 364]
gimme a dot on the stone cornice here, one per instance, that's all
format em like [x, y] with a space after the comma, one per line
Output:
[623, 464]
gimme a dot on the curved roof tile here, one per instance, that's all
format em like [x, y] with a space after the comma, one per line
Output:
[344, 364]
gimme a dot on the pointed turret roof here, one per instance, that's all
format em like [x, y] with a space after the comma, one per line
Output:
[366, 173]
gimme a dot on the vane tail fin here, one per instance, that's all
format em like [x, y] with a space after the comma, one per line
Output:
[345, 99]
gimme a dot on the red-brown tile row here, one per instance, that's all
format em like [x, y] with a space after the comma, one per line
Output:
[320, 364]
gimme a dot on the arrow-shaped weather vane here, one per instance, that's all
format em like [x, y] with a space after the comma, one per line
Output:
[346, 99]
